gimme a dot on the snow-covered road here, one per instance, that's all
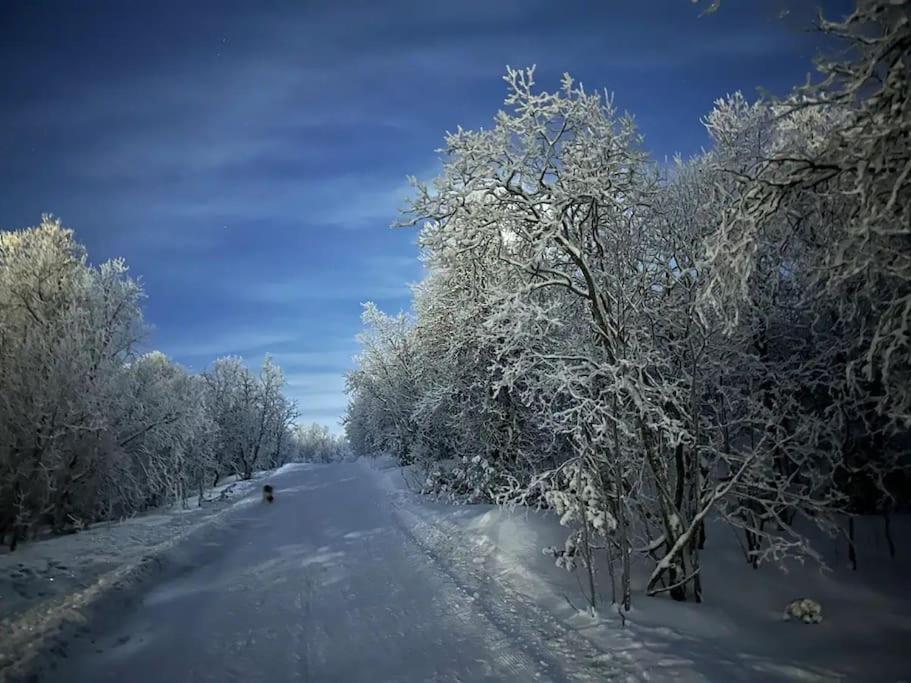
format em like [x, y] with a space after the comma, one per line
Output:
[326, 584]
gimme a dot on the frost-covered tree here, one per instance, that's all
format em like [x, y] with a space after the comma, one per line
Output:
[385, 381]
[315, 443]
[66, 328]
[640, 346]
[815, 235]
[159, 434]
[562, 193]
[252, 415]
[91, 430]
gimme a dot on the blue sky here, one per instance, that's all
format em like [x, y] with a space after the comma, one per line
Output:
[247, 158]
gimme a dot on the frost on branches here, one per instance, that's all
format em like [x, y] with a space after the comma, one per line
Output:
[817, 226]
[637, 346]
[89, 429]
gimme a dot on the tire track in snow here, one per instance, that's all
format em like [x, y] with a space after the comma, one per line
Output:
[562, 653]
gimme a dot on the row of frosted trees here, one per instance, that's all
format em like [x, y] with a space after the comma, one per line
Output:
[315, 443]
[91, 430]
[641, 346]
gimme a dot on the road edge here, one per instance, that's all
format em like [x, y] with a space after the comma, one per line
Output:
[47, 627]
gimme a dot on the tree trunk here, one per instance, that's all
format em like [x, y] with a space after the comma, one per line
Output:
[586, 540]
[887, 529]
[852, 552]
[678, 586]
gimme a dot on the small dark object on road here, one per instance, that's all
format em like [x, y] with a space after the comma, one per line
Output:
[268, 496]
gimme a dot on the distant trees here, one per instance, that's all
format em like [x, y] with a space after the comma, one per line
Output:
[315, 443]
[252, 415]
[90, 430]
[385, 382]
[638, 346]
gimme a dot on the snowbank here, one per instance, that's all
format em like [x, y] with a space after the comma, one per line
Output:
[49, 583]
[737, 634]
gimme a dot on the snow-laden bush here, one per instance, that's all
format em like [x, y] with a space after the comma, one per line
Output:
[578, 498]
[469, 480]
[804, 609]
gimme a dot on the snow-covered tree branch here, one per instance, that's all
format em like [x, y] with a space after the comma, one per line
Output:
[640, 346]
[90, 429]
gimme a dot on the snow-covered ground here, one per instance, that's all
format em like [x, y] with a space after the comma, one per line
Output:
[327, 584]
[44, 583]
[736, 634]
[350, 576]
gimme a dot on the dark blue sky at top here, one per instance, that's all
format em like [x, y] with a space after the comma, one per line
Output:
[246, 159]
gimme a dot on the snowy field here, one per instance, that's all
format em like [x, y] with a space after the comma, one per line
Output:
[352, 577]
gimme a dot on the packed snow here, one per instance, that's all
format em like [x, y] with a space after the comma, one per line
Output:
[737, 634]
[43, 584]
[351, 576]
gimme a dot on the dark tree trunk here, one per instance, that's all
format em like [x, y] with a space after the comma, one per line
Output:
[852, 552]
[887, 529]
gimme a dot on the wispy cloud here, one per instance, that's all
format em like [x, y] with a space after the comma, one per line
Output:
[315, 383]
[314, 289]
[329, 359]
[247, 162]
[235, 342]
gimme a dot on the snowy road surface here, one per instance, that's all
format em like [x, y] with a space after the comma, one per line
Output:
[326, 584]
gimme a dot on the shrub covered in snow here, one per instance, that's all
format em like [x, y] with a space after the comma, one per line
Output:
[806, 610]
[469, 480]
